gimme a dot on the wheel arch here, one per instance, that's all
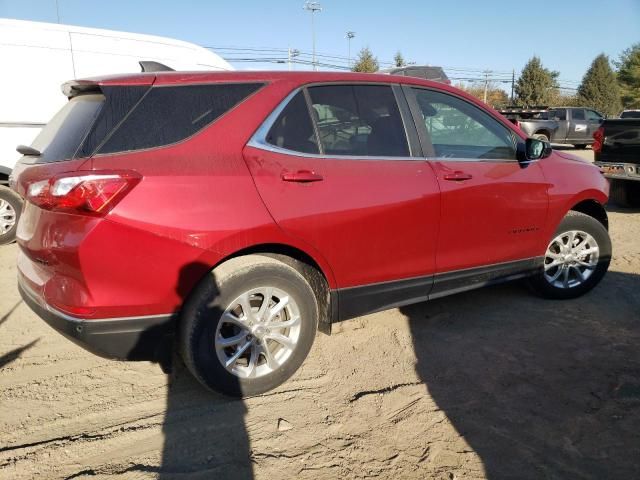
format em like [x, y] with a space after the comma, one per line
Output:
[315, 272]
[594, 209]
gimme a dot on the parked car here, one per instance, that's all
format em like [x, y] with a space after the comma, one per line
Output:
[568, 125]
[630, 114]
[617, 152]
[242, 211]
[63, 52]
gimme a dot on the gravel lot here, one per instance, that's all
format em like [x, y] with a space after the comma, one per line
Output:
[494, 383]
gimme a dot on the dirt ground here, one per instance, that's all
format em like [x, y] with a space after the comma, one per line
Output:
[493, 383]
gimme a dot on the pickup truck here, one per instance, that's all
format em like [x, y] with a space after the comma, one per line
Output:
[572, 125]
[616, 151]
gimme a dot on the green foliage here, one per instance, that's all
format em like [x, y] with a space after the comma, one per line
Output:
[536, 85]
[599, 89]
[399, 60]
[629, 76]
[366, 62]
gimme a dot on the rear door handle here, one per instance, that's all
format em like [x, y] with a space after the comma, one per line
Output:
[302, 176]
[458, 176]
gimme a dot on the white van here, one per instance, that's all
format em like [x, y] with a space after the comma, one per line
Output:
[37, 58]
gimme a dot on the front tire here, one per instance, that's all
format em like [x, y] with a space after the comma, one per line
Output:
[10, 210]
[248, 326]
[576, 259]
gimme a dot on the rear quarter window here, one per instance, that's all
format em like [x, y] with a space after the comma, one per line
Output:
[167, 115]
[61, 137]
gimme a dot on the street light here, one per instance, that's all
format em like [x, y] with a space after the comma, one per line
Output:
[313, 7]
[350, 35]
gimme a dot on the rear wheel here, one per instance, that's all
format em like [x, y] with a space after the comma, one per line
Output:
[576, 259]
[541, 136]
[10, 209]
[248, 326]
[625, 193]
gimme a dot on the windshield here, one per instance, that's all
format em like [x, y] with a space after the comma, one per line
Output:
[61, 137]
[630, 114]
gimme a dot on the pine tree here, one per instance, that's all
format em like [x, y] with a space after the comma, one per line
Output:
[629, 76]
[536, 85]
[366, 62]
[599, 89]
[399, 59]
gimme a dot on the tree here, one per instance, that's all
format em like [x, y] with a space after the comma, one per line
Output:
[629, 76]
[366, 62]
[599, 89]
[399, 59]
[496, 97]
[536, 85]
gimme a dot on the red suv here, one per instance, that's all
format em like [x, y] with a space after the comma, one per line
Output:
[237, 213]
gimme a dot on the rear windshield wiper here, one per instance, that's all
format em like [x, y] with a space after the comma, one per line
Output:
[30, 151]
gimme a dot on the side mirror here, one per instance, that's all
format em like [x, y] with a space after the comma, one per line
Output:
[533, 149]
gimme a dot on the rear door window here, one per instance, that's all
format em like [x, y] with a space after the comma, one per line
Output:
[359, 120]
[293, 129]
[167, 115]
[61, 137]
[577, 114]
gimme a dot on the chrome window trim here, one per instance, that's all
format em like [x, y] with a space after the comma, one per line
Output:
[259, 138]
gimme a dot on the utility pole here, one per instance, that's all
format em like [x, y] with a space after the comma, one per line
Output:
[57, 12]
[350, 35]
[291, 54]
[313, 7]
[486, 83]
[513, 82]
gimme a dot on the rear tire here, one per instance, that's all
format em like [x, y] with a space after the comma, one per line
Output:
[248, 326]
[625, 193]
[576, 259]
[541, 136]
[10, 210]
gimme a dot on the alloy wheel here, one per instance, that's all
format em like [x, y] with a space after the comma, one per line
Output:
[7, 217]
[258, 332]
[571, 258]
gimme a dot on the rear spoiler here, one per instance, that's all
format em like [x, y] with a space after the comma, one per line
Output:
[78, 87]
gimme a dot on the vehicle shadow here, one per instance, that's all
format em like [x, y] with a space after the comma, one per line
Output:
[13, 355]
[538, 388]
[204, 433]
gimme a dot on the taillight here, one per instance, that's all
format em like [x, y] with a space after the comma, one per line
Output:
[598, 136]
[94, 193]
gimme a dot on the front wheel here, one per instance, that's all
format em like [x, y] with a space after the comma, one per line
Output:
[248, 326]
[576, 259]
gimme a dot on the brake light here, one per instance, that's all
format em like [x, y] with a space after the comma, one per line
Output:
[598, 136]
[94, 193]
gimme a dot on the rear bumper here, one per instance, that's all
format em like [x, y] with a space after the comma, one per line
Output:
[133, 338]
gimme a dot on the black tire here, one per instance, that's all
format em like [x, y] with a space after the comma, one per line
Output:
[580, 146]
[585, 223]
[203, 311]
[541, 136]
[625, 193]
[10, 199]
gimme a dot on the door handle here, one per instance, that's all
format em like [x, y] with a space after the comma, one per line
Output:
[302, 176]
[458, 176]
